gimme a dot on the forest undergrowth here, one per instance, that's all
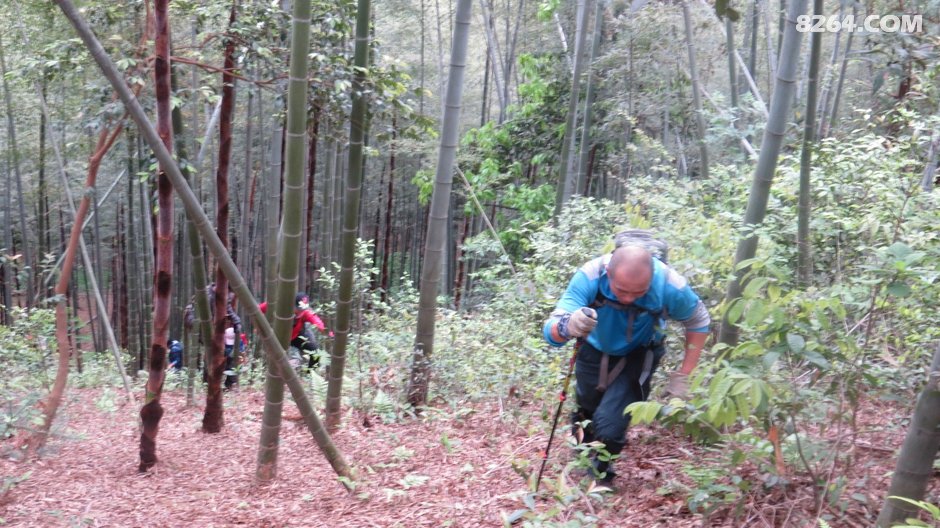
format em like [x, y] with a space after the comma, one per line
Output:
[796, 425]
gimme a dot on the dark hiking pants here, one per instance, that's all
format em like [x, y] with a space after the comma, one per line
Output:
[605, 409]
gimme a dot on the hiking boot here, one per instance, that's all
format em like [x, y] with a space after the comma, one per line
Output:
[603, 472]
[582, 428]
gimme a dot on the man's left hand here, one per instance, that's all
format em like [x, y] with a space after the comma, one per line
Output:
[678, 385]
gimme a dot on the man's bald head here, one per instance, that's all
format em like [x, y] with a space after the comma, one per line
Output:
[630, 271]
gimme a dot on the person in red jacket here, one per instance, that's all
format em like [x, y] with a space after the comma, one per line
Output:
[302, 337]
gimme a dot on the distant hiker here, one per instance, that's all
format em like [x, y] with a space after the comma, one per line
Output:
[615, 306]
[232, 320]
[303, 340]
[189, 313]
[176, 354]
[228, 339]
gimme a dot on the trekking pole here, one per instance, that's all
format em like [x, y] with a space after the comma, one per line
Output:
[562, 396]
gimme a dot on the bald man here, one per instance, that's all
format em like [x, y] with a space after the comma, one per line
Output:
[616, 306]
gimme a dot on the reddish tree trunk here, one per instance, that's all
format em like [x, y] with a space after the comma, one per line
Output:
[212, 420]
[152, 411]
[51, 405]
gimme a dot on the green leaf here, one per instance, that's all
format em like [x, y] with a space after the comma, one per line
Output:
[932, 509]
[899, 250]
[643, 412]
[757, 394]
[755, 312]
[816, 359]
[898, 289]
[734, 313]
[741, 387]
[773, 291]
[770, 358]
[796, 343]
[719, 389]
[749, 349]
[754, 286]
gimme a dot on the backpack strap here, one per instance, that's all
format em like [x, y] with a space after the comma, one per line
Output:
[632, 310]
[606, 376]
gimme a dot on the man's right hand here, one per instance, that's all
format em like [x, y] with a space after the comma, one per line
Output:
[582, 322]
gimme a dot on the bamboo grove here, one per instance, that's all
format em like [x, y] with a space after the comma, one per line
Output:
[218, 154]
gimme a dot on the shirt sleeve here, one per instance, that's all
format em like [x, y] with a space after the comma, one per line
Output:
[314, 319]
[581, 292]
[236, 320]
[683, 305]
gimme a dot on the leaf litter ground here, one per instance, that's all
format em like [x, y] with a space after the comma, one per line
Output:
[441, 470]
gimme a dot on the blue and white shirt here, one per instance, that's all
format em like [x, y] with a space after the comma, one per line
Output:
[669, 295]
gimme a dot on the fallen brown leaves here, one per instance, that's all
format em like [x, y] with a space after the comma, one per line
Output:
[432, 472]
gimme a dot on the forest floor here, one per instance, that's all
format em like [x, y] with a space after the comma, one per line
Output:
[445, 469]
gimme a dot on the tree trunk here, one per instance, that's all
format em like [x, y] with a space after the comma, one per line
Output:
[152, 411]
[266, 468]
[565, 185]
[147, 263]
[21, 197]
[831, 122]
[351, 197]
[803, 243]
[195, 212]
[122, 301]
[289, 250]
[134, 315]
[822, 112]
[495, 58]
[440, 201]
[41, 186]
[326, 202]
[484, 110]
[309, 238]
[918, 453]
[213, 419]
[581, 187]
[510, 59]
[98, 266]
[460, 275]
[930, 169]
[51, 405]
[7, 280]
[196, 279]
[767, 161]
[732, 67]
[696, 92]
[770, 47]
[752, 51]
[440, 53]
[389, 205]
